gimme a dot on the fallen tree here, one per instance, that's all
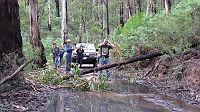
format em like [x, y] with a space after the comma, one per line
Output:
[124, 62]
[16, 72]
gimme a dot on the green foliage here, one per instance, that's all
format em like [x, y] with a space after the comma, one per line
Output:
[131, 80]
[133, 23]
[50, 76]
[47, 76]
[48, 47]
[171, 34]
[75, 69]
[100, 85]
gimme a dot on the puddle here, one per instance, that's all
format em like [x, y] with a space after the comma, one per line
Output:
[123, 97]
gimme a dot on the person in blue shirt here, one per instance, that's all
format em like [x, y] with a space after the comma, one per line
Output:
[68, 48]
[61, 53]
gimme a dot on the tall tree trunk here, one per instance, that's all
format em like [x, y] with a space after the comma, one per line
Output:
[138, 6]
[10, 41]
[35, 40]
[148, 7]
[122, 14]
[96, 15]
[134, 6]
[49, 14]
[129, 9]
[167, 7]
[64, 25]
[101, 17]
[151, 7]
[81, 27]
[161, 3]
[57, 8]
[105, 18]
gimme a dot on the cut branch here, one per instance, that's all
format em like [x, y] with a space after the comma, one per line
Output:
[124, 62]
[16, 72]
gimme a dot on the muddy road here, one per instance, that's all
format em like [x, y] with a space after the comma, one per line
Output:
[123, 96]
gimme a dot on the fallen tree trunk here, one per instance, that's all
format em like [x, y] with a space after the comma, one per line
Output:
[124, 62]
[15, 73]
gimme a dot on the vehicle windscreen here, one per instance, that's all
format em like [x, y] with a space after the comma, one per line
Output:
[86, 46]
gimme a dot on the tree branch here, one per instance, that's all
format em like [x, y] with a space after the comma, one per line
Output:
[15, 73]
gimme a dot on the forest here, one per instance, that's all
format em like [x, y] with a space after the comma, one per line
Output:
[99, 55]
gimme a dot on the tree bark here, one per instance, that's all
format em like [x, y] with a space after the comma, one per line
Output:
[151, 7]
[122, 14]
[138, 6]
[167, 7]
[64, 25]
[129, 9]
[81, 27]
[10, 37]
[96, 11]
[105, 18]
[49, 14]
[15, 73]
[130, 60]
[35, 40]
[57, 8]
[10, 42]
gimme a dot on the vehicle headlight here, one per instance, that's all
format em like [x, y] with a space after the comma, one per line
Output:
[93, 55]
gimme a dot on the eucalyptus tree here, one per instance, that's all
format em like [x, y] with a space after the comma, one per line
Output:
[151, 7]
[105, 18]
[57, 8]
[49, 14]
[167, 7]
[34, 38]
[10, 41]
[64, 20]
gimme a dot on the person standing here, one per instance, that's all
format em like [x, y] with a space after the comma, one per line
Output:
[68, 49]
[55, 52]
[61, 53]
[79, 56]
[105, 46]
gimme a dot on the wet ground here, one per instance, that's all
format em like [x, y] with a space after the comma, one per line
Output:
[123, 97]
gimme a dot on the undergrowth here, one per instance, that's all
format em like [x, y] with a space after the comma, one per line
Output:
[172, 34]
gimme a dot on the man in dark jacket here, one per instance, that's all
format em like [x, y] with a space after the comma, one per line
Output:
[55, 52]
[79, 56]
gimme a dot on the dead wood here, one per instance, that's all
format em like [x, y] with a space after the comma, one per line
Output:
[15, 73]
[124, 62]
[153, 68]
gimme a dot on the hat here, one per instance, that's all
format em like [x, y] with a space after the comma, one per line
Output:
[53, 42]
[68, 40]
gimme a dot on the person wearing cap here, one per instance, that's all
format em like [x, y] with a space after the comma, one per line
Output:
[55, 52]
[68, 48]
[105, 46]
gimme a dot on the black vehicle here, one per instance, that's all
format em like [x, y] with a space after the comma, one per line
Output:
[90, 55]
